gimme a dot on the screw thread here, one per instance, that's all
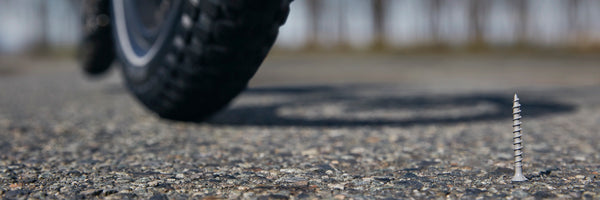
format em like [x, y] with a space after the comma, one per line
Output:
[517, 141]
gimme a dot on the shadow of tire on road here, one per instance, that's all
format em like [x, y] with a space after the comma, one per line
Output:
[347, 106]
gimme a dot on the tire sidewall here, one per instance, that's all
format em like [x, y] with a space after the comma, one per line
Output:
[141, 74]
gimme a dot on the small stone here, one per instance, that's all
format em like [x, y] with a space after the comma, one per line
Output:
[357, 150]
[410, 175]
[417, 193]
[159, 197]
[245, 165]
[310, 152]
[44, 175]
[91, 192]
[274, 196]
[410, 183]
[544, 195]
[504, 156]
[336, 186]
[127, 195]
[235, 195]
[153, 183]
[109, 192]
[579, 158]
[519, 194]
[290, 170]
[358, 182]
[303, 196]
[74, 173]
[14, 166]
[180, 176]
[29, 180]
[473, 191]
[248, 195]
[546, 172]
[16, 193]
[502, 171]
[382, 178]
[297, 181]
[589, 195]
[580, 176]
[339, 197]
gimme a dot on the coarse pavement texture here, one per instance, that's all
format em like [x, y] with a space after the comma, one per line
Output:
[339, 126]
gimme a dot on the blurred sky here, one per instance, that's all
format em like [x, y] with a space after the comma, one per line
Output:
[550, 23]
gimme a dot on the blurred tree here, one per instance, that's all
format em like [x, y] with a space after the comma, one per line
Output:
[477, 18]
[342, 25]
[43, 44]
[314, 13]
[434, 22]
[379, 14]
[575, 29]
[521, 23]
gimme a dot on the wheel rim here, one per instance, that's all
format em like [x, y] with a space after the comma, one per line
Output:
[142, 27]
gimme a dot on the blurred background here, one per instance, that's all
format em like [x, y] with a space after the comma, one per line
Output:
[41, 26]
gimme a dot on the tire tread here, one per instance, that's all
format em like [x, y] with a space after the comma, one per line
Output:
[211, 62]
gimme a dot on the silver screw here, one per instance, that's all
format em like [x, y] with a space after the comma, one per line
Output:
[517, 141]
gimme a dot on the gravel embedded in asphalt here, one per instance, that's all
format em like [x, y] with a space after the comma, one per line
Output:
[66, 137]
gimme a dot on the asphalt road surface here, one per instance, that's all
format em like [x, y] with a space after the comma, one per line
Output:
[341, 126]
